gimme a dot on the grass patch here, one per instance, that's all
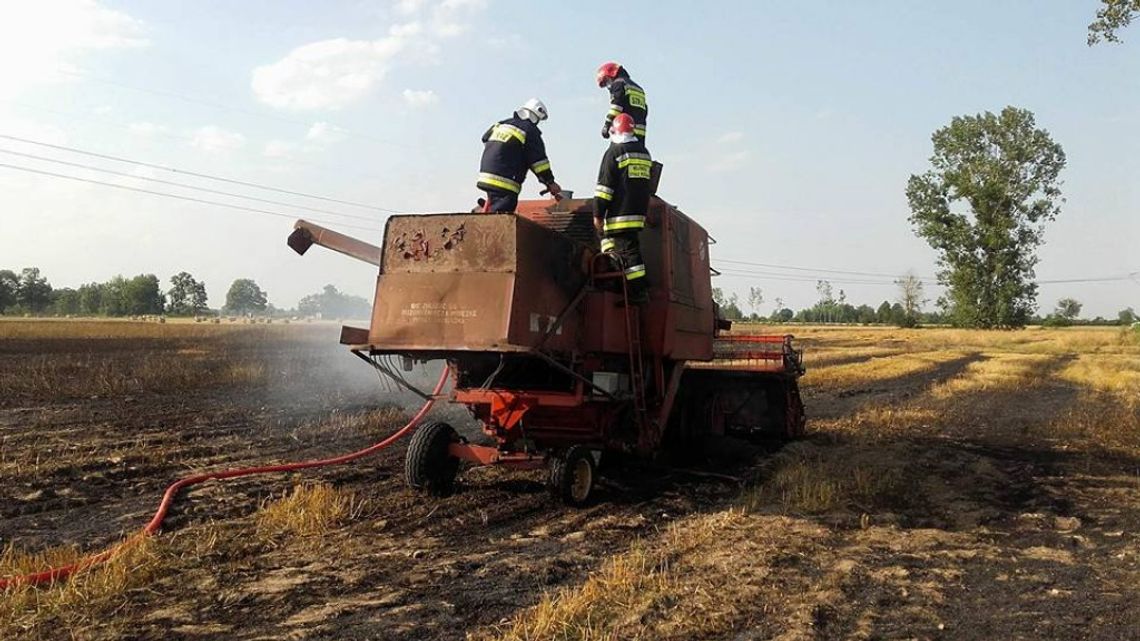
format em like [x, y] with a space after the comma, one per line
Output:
[809, 480]
[31, 612]
[307, 510]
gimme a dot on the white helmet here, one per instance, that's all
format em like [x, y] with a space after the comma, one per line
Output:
[532, 110]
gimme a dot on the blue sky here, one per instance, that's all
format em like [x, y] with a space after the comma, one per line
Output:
[787, 128]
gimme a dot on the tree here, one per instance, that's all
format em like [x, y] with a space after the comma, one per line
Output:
[245, 297]
[65, 302]
[718, 296]
[333, 304]
[33, 291]
[1127, 316]
[910, 297]
[731, 309]
[783, 315]
[9, 284]
[755, 300]
[826, 300]
[91, 299]
[187, 297]
[1004, 171]
[143, 295]
[883, 314]
[1112, 16]
[1068, 308]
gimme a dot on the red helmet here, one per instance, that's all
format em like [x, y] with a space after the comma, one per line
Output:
[608, 71]
[623, 124]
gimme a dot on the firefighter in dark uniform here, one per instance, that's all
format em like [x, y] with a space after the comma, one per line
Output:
[621, 201]
[626, 97]
[510, 148]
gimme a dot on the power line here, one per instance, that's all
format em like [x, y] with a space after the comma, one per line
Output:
[819, 269]
[195, 174]
[164, 194]
[183, 185]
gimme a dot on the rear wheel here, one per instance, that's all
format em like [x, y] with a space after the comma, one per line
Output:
[573, 475]
[429, 466]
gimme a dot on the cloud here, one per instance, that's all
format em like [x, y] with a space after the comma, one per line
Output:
[146, 129]
[328, 74]
[731, 137]
[332, 74]
[323, 133]
[731, 161]
[213, 139]
[40, 39]
[420, 98]
[279, 149]
[408, 7]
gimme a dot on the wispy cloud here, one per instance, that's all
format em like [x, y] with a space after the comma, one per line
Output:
[731, 161]
[39, 39]
[420, 98]
[731, 137]
[214, 139]
[332, 74]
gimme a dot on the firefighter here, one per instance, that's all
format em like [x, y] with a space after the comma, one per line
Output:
[510, 148]
[621, 201]
[626, 97]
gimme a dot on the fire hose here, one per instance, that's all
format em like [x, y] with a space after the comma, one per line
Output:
[62, 572]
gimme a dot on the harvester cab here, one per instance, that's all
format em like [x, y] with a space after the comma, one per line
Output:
[531, 322]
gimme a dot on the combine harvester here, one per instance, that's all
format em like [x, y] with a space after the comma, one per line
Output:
[542, 350]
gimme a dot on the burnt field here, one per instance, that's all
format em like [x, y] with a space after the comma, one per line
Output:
[953, 485]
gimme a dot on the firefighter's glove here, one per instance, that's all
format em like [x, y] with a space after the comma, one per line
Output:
[606, 131]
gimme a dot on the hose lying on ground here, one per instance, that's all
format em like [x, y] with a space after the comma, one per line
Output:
[62, 572]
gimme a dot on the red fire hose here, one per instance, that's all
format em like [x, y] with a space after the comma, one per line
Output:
[62, 572]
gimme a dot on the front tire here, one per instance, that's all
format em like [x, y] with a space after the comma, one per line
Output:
[574, 475]
[429, 467]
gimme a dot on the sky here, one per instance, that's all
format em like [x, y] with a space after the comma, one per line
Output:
[788, 129]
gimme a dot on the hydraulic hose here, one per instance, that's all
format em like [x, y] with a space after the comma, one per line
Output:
[62, 572]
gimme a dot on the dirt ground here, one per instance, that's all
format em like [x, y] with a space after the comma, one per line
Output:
[953, 485]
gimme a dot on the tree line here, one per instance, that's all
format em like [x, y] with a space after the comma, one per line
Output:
[28, 293]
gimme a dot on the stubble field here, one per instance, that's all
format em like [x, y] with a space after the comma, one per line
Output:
[953, 485]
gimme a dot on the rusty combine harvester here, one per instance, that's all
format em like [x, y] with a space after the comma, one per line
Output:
[531, 321]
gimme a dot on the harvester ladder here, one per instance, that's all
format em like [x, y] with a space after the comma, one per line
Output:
[636, 363]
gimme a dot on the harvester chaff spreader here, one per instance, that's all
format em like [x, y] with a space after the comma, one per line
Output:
[542, 349]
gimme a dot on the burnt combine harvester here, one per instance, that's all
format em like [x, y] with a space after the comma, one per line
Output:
[543, 351]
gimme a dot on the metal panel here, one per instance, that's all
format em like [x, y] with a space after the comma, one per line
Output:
[432, 311]
[432, 243]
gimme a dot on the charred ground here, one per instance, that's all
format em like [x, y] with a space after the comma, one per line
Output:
[954, 485]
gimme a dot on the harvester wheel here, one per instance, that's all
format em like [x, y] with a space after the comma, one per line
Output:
[429, 466]
[573, 475]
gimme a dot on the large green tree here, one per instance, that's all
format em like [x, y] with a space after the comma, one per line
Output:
[187, 297]
[1112, 16]
[246, 297]
[992, 186]
[33, 291]
[331, 303]
[9, 284]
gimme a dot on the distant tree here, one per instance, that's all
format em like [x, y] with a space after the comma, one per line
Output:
[898, 315]
[1127, 316]
[883, 314]
[1112, 16]
[65, 302]
[331, 303]
[1068, 308]
[783, 315]
[731, 309]
[718, 296]
[9, 285]
[826, 302]
[910, 297]
[91, 299]
[865, 314]
[143, 295]
[187, 297]
[755, 300]
[33, 291]
[983, 205]
[113, 297]
[779, 306]
[245, 297]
